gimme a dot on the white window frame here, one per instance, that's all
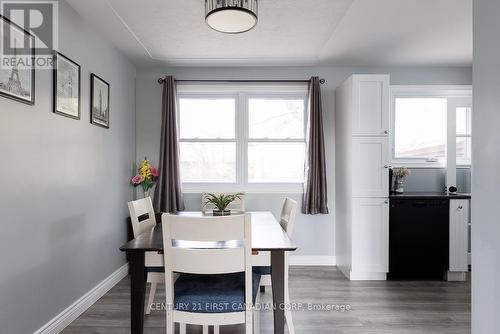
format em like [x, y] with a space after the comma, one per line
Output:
[404, 91]
[242, 93]
[214, 140]
[467, 135]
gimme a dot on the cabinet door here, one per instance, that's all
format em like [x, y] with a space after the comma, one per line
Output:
[459, 228]
[370, 105]
[370, 173]
[370, 235]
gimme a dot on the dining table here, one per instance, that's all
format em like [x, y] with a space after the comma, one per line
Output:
[267, 235]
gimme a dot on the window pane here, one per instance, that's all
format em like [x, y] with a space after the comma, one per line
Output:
[208, 162]
[207, 118]
[276, 162]
[464, 149]
[276, 118]
[463, 121]
[420, 127]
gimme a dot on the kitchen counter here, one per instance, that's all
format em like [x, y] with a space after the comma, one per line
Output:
[425, 195]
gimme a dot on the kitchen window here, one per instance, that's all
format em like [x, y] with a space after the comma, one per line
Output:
[420, 128]
[242, 139]
[430, 125]
[464, 135]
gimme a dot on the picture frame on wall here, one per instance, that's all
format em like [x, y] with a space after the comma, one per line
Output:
[17, 73]
[99, 101]
[67, 86]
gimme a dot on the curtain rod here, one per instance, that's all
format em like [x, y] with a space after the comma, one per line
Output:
[321, 81]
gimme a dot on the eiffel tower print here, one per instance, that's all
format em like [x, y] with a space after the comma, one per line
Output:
[14, 85]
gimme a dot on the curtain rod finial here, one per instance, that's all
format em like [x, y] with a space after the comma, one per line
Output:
[322, 81]
[160, 80]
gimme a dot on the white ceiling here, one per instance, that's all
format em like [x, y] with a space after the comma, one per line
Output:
[290, 32]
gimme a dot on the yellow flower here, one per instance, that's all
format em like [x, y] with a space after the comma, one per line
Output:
[145, 169]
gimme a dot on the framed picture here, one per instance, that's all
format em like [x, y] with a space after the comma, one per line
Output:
[99, 101]
[66, 86]
[17, 73]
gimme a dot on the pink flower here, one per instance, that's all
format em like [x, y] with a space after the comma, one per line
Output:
[154, 171]
[137, 179]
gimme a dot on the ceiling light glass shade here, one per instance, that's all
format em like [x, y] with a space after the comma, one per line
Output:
[231, 16]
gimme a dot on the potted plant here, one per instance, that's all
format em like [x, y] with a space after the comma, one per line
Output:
[399, 174]
[221, 201]
[146, 178]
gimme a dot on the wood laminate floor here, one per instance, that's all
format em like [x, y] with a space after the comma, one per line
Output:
[386, 307]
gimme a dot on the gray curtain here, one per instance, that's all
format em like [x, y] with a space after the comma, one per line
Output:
[168, 193]
[315, 198]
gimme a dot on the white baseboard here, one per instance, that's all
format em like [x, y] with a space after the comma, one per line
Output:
[456, 276]
[367, 276]
[305, 260]
[66, 317]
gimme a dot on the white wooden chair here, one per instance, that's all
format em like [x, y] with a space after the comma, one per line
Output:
[216, 285]
[153, 261]
[236, 205]
[262, 261]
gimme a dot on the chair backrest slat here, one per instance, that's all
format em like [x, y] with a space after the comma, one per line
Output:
[208, 261]
[137, 210]
[288, 214]
[207, 228]
[237, 205]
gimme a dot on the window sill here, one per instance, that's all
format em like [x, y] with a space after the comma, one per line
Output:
[426, 165]
[423, 165]
[268, 188]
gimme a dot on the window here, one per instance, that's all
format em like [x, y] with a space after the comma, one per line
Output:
[276, 143]
[420, 128]
[207, 139]
[424, 132]
[242, 140]
[464, 135]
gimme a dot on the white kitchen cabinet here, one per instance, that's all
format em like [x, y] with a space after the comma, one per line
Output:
[370, 112]
[370, 167]
[362, 177]
[370, 247]
[459, 239]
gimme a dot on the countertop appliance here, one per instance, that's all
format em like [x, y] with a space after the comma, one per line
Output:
[418, 237]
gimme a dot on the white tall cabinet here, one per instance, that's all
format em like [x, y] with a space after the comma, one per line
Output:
[362, 177]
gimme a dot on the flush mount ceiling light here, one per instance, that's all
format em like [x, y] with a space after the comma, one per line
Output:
[231, 16]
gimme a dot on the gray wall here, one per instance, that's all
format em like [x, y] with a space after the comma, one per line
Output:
[65, 185]
[313, 234]
[486, 171]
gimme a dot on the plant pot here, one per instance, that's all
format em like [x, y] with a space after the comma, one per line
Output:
[221, 212]
[146, 193]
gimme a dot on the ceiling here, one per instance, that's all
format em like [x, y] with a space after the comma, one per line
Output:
[290, 32]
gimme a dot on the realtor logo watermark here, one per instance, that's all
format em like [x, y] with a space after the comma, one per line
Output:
[31, 36]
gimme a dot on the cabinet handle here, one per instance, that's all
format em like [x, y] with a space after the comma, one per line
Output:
[388, 166]
[386, 132]
[460, 207]
[386, 201]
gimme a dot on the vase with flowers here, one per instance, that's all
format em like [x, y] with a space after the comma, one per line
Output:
[146, 178]
[400, 174]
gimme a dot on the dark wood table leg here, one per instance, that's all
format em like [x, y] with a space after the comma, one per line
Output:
[278, 285]
[137, 291]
